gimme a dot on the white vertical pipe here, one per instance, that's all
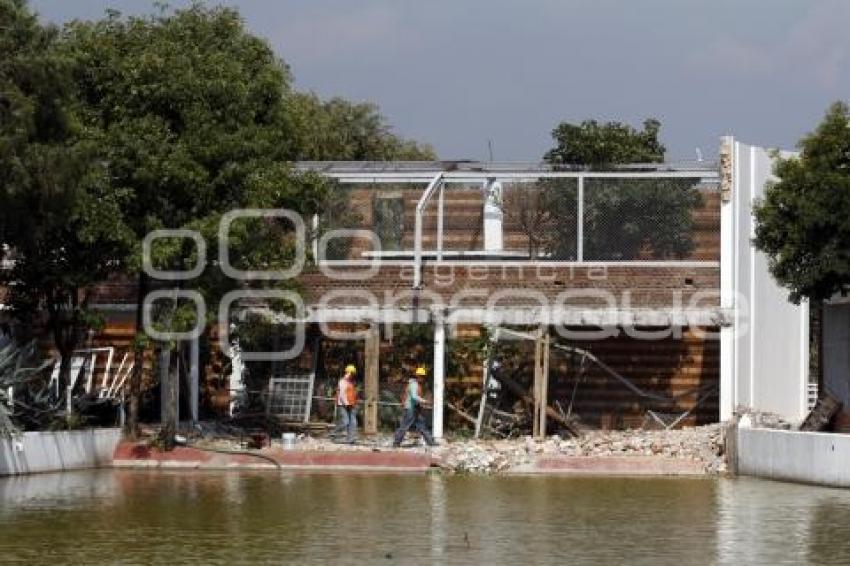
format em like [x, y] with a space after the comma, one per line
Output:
[440, 205]
[580, 221]
[439, 374]
[417, 229]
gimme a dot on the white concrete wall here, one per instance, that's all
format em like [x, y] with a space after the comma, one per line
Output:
[808, 457]
[765, 360]
[56, 451]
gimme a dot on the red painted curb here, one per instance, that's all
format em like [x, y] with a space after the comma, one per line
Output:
[625, 465]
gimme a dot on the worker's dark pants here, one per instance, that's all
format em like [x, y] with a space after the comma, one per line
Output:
[347, 423]
[413, 419]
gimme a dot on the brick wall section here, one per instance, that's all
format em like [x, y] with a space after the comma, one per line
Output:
[667, 367]
[647, 287]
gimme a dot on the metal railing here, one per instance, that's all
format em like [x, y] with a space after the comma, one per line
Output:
[524, 214]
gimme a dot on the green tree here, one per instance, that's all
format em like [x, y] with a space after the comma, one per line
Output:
[339, 130]
[195, 123]
[803, 221]
[598, 145]
[624, 219]
[58, 216]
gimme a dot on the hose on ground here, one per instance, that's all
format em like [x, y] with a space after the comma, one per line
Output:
[239, 452]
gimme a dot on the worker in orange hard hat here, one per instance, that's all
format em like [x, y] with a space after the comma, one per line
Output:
[412, 402]
[346, 406]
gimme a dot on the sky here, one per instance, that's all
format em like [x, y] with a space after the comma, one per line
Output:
[459, 73]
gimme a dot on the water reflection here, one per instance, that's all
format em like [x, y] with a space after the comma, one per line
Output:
[438, 508]
[262, 517]
[777, 523]
[58, 491]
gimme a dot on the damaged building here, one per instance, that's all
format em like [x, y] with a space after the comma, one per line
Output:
[539, 299]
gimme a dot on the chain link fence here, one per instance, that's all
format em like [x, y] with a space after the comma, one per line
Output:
[563, 219]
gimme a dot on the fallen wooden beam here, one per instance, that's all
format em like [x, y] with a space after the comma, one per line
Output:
[471, 419]
[466, 416]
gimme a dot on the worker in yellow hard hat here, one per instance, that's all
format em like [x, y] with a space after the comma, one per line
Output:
[412, 402]
[346, 406]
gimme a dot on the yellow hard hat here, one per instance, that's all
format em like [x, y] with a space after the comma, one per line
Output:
[421, 371]
[351, 369]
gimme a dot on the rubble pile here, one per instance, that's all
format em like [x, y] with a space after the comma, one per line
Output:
[702, 444]
[483, 457]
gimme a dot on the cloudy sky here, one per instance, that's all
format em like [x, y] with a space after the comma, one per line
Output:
[457, 73]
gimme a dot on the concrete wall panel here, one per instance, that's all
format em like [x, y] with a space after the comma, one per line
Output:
[34, 452]
[808, 457]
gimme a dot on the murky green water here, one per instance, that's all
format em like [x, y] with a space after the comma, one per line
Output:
[168, 518]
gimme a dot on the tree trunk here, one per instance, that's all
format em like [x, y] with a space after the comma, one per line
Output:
[131, 428]
[65, 346]
[169, 364]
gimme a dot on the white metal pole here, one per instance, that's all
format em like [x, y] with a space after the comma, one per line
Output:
[439, 374]
[417, 229]
[580, 221]
[440, 205]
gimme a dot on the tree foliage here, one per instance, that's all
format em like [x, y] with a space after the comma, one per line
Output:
[58, 213]
[194, 121]
[340, 130]
[598, 145]
[803, 221]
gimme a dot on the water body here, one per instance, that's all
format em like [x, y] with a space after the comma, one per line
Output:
[131, 517]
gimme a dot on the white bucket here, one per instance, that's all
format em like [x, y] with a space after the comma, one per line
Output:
[288, 440]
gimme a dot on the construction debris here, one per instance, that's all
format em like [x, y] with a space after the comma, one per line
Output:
[701, 444]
